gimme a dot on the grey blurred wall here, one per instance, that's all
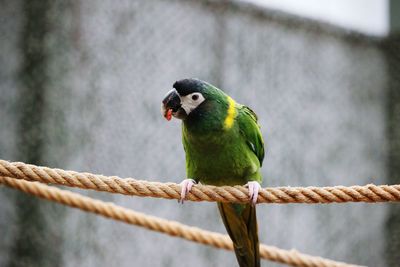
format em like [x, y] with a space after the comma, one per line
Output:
[321, 94]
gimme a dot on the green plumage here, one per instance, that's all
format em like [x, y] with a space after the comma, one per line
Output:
[219, 153]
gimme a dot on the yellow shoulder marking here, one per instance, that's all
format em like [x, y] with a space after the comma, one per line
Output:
[231, 114]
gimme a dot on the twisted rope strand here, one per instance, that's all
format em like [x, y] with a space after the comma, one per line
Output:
[172, 228]
[236, 194]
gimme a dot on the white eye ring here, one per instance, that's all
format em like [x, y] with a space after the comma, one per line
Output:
[191, 101]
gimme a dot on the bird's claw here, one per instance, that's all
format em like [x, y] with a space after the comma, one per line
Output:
[254, 188]
[186, 186]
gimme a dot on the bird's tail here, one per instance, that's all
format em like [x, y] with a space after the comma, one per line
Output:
[241, 223]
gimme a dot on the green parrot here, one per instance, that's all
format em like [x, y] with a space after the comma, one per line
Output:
[223, 146]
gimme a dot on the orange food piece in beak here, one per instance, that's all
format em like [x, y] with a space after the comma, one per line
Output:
[168, 114]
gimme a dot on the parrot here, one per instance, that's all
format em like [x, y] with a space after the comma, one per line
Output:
[223, 145]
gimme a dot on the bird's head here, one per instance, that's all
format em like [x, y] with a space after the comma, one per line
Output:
[187, 97]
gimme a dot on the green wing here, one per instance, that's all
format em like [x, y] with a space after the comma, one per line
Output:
[250, 131]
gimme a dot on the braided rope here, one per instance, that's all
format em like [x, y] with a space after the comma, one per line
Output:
[172, 228]
[238, 194]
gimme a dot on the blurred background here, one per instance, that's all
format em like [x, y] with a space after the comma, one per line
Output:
[80, 88]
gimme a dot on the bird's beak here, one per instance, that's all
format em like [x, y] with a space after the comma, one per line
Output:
[171, 105]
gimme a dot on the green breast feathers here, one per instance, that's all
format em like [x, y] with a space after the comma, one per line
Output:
[227, 151]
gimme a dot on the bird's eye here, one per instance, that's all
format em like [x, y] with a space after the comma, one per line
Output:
[195, 97]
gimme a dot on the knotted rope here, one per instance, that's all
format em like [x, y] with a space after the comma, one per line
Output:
[172, 228]
[239, 194]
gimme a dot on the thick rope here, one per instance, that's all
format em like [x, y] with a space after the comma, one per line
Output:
[172, 228]
[238, 194]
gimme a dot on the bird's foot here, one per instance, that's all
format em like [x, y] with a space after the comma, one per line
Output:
[186, 186]
[254, 187]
